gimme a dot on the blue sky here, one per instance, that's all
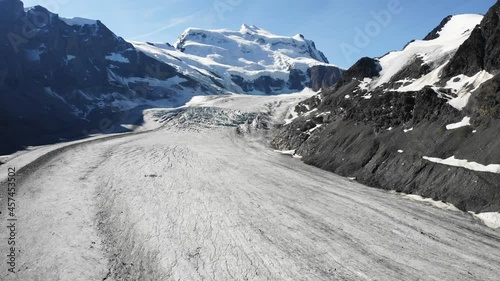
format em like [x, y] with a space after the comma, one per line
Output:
[334, 25]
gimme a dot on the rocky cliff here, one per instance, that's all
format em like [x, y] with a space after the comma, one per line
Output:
[424, 120]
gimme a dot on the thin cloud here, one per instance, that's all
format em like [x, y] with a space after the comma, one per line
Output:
[173, 23]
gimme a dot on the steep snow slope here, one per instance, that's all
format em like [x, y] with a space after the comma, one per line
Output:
[251, 60]
[421, 64]
[250, 48]
[432, 53]
[223, 206]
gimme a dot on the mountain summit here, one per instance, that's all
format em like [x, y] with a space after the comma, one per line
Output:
[251, 60]
[423, 120]
[67, 78]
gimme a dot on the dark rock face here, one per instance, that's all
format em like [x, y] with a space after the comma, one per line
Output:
[316, 78]
[263, 84]
[484, 105]
[435, 32]
[223, 45]
[366, 139]
[365, 67]
[62, 81]
[381, 137]
[481, 50]
[10, 11]
[469, 58]
[323, 77]
[415, 69]
[491, 31]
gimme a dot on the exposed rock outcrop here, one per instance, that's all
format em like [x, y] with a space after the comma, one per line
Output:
[383, 135]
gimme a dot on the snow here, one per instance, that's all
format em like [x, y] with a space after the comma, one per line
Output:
[452, 161]
[464, 123]
[284, 103]
[310, 112]
[454, 33]
[463, 86]
[78, 21]
[314, 129]
[117, 58]
[491, 219]
[438, 204]
[249, 53]
[365, 84]
[429, 79]
[286, 152]
[70, 57]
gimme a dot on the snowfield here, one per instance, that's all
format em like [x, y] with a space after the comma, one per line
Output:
[205, 198]
[436, 54]
[249, 53]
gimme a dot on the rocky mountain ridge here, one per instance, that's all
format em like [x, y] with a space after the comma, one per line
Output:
[67, 78]
[423, 120]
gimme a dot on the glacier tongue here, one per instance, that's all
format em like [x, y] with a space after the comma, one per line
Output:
[202, 202]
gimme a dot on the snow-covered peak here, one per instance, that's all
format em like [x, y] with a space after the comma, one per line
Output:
[251, 43]
[249, 60]
[78, 21]
[252, 29]
[433, 53]
[458, 26]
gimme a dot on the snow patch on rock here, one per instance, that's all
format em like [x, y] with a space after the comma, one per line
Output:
[464, 123]
[78, 21]
[117, 58]
[474, 166]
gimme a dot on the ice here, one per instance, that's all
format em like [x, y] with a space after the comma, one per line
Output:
[193, 200]
[438, 204]
[491, 219]
[452, 161]
[286, 152]
[464, 123]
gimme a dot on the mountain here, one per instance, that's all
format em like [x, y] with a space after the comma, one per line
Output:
[249, 61]
[67, 78]
[63, 78]
[423, 120]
